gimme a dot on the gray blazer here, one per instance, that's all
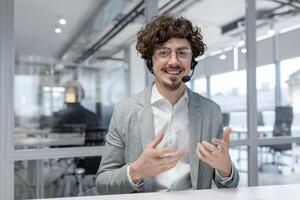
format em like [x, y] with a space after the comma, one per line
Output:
[132, 128]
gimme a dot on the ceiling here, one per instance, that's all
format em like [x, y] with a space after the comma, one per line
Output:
[89, 20]
[36, 20]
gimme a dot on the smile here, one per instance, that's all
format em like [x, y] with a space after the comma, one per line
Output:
[173, 71]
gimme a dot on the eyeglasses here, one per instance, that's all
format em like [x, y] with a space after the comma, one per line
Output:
[163, 54]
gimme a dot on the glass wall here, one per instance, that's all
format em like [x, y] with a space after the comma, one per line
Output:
[229, 91]
[67, 177]
[62, 100]
[70, 69]
[200, 86]
[276, 78]
[278, 63]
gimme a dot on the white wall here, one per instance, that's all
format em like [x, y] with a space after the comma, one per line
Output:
[137, 69]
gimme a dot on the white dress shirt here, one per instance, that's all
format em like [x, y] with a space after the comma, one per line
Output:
[173, 122]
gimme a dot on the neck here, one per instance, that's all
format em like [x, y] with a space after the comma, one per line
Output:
[172, 95]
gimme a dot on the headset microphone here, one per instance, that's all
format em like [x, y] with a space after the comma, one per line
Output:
[187, 78]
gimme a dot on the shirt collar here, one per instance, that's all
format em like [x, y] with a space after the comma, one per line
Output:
[156, 96]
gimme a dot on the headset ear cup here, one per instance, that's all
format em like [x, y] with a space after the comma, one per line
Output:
[149, 65]
[193, 64]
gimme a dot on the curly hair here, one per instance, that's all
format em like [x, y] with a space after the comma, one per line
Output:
[162, 28]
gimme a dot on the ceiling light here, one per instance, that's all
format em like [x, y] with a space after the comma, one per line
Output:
[271, 32]
[222, 56]
[243, 50]
[57, 30]
[62, 21]
[241, 42]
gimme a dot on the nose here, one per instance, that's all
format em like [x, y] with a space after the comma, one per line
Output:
[173, 60]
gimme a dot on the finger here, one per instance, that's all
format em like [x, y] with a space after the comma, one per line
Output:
[176, 155]
[156, 140]
[219, 143]
[164, 152]
[203, 150]
[226, 134]
[174, 159]
[170, 165]
[208, 146]
[201, 156]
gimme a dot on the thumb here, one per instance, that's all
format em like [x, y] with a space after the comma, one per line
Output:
[226, 134]
[157, 140]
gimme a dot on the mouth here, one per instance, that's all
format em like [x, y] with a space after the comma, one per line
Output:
[174, 72]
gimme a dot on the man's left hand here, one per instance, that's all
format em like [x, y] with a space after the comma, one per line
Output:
[216, 154]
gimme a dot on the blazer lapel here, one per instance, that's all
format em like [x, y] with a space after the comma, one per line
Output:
[194, 135]
[145, 118]
[146, 126]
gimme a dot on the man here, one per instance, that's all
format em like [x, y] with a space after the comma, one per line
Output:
[74, 116]
[159, 139]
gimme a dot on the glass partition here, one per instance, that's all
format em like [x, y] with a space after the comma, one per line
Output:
[277, 60]
[64, 88]
[52, 178]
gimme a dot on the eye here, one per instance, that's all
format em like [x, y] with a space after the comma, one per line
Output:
[183, 52]
[163, 52]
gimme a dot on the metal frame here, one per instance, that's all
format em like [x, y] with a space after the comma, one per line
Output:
[151, 10]
[71, 152]
[277, 71]
[251, 92]
[208, 90]
[7, 63]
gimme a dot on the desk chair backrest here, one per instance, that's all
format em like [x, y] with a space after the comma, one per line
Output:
[93, 137]
[260, 119]
[282, 125]
[226, 119]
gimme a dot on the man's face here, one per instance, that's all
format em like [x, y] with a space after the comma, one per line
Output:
[171, 62]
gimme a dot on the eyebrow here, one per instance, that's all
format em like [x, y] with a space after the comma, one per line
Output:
[183, 47]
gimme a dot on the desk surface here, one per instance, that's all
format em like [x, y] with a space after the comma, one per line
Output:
[279, 192]
[261, 129]
[51, 140]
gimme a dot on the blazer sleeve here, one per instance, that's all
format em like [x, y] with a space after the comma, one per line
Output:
[235, 178]
[112, 174]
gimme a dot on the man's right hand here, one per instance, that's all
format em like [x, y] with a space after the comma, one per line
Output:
[154, 161]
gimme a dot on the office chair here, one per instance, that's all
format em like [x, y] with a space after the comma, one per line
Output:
[260, 119]
[282, 127]
[226, 119]
[89, 165]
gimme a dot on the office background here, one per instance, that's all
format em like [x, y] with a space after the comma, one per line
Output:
[45, 44]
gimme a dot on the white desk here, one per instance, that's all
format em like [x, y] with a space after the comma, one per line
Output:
[74, 139]
[31, 132]
[279, 192]
[261, 130]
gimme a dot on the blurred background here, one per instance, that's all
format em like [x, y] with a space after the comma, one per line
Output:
[75, 59]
